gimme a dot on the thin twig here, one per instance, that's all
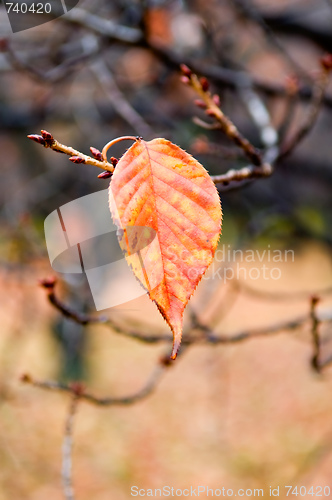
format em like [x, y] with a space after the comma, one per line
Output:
[212, 109]
[259, 167]
[86, 319]
[67, 449]
[207, 335]
[230, 78]
[90, 46]
[120, 104]
[104, 27]
[245, 173]
[260, 116]
[224, 76]
[290, 103]
[312, 115]
[279, 296]
[315, 361]
[212, 337]
[251, 12]
[202, 146]
[48, 141]
[146, 390]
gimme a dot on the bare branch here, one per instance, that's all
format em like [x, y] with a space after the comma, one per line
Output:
[315, 334]
[248, 9]
[201, 87]
[291, 101]
[104, 27]
[146, 390]
[314, 108]
[245, 173]
[67, 451]
[211, 337]
[280, 296]
[260, 117]
[85, 319]
[201, 145]
[18, 61]
[48, 141]
[260, 167]
[120, 104]
[230, 78]
[198, 333]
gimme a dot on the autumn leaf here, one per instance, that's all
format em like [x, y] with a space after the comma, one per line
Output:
[168, 213]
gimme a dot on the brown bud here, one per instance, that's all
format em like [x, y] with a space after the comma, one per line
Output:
[114, 161]
[96, 154]
[105, 175]
[77, 159]
[185, 80]
[48, 282]
[199, 103]
[47, 136]
[185, 70]
[37, 138]
[216, 99]
[204, 84]
[326, 62]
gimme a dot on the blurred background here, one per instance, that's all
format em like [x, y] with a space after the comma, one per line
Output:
[245, 415]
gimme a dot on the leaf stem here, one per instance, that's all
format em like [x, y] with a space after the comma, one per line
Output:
[114, 141]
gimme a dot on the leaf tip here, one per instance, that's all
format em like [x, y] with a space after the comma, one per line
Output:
[176, 344]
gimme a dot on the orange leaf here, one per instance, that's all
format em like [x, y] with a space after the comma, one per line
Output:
[168, 213]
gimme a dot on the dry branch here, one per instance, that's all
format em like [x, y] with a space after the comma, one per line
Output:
[67, 449]
[79, 393]
[314, 108]
[315, 333]
[47, 140]
[209, 336]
